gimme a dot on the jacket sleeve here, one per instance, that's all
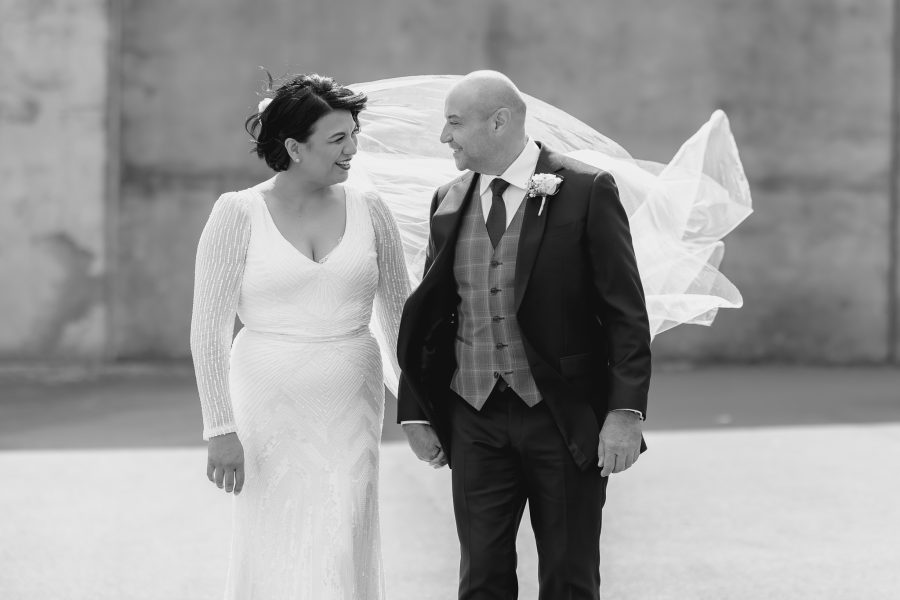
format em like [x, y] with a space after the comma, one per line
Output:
[408, 408]
[620, 297]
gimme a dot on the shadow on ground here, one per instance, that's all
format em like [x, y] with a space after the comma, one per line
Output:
[156, 406]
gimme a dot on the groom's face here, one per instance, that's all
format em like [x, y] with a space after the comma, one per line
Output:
[467, 132]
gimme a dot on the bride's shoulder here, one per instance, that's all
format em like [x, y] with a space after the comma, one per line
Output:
[236, 204]
[243, 197]
[379, 213]
[369, 197]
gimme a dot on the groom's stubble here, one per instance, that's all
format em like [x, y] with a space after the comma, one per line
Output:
[484, 122]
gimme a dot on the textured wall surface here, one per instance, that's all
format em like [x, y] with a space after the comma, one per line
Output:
[53, 259]
[806, 84]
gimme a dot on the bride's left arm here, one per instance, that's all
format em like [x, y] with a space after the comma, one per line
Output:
[393, 285]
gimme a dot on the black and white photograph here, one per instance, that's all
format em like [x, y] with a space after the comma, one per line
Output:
[432, 300]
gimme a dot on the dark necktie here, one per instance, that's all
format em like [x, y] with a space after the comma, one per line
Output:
[496, 220]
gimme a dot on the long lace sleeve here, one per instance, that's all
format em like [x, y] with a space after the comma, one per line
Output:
[221, 255]
[393, 287]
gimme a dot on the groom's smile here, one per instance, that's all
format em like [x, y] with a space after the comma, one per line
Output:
[460, 131]
[478, 128]
[454, 131]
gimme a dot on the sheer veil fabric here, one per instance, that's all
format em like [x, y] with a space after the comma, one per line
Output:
[679, 212]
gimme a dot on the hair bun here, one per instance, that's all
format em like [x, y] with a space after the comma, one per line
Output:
[300, 101]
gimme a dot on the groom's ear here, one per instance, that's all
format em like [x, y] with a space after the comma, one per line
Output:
[500, 119]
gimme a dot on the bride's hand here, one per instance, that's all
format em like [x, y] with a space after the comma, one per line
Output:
[425, 444]
[225, 465]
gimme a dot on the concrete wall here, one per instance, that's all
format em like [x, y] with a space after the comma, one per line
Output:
[54, 264]
[806, 84]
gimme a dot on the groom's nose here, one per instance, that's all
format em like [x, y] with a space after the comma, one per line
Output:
[445, 135]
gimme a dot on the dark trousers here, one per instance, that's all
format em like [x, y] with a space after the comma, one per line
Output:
[502, 456]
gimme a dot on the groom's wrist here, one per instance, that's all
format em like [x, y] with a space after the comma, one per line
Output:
[631, 410]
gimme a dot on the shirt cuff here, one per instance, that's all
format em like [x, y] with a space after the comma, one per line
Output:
[418, 422]
[637, 412]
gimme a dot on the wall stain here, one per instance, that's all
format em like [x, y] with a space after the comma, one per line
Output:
[78, 291]
[24, 112]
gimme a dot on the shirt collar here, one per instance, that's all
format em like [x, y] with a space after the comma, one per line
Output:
[519, 172]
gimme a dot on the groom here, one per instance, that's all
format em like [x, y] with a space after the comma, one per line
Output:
[526, 349]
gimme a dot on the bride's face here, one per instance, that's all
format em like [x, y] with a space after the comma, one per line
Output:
[325, 156]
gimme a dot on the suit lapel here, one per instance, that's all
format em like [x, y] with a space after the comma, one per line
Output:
[445, 225]
[446, 219]
[422, 306]
[533, 227]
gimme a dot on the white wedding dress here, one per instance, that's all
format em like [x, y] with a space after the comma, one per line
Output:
[302, 385]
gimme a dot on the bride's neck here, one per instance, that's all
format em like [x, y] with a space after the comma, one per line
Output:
[297, 191]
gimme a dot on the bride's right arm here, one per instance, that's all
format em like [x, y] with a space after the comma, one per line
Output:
[221, 256]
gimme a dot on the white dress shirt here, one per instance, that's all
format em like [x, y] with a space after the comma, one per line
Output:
[517, 175]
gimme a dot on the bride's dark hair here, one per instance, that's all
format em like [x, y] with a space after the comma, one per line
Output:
[297, 102]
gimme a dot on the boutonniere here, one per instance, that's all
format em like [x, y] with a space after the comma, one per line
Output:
[543, 185]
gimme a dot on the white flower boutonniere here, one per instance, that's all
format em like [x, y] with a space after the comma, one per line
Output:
[543, 185]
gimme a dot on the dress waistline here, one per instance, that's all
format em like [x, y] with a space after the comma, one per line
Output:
[310, 339]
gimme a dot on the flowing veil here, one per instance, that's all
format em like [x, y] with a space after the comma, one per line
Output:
[678, 212]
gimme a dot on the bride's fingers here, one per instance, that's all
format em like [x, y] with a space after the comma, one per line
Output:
[238, 480]
[438, 461]
[220, 476]
[210, 472]
[431, 454]
[229, 480]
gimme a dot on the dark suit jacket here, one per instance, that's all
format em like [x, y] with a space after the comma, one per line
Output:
[579, 303]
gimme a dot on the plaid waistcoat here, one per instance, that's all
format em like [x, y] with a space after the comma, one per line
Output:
[489, 341]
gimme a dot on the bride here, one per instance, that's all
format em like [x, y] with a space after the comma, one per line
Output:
[293, 407]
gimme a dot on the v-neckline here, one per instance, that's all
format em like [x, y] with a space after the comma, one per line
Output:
[331, 252]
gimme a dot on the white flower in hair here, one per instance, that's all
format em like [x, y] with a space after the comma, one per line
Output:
[263, 104]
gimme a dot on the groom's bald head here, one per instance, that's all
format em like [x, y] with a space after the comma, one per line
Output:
[489, 91]
[485, 126]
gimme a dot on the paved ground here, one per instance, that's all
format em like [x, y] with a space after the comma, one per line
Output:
[154, 406]
[759, 483]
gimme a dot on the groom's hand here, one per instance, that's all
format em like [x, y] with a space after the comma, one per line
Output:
[425, 444]
[620, 441]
